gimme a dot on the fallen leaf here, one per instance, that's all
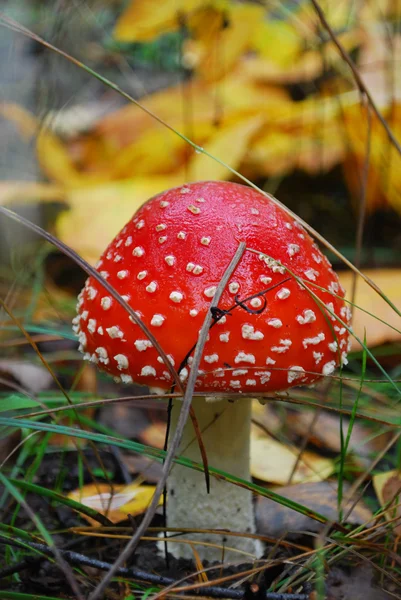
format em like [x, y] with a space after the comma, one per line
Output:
[364, 444]
[116, 502]
[377, 332]
[274, 462]
[388, 490]
[144, 20]
[29, 191]
[98, 213]
[276, 520]
[34, 378]
[229, 142]
[154, 434]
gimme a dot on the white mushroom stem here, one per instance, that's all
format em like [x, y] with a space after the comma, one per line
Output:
[225, 428]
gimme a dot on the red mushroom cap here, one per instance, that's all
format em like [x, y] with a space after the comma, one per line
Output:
[166, 263]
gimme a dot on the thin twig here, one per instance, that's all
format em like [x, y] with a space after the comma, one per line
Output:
[77, 559]
[175, 442]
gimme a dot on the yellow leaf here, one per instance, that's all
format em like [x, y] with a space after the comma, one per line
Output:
[98, 213]
[278, 41]
[146, 19]
[213, 56]
[116, 502]
[29, 191]
[377, 333]
[388, 490]
[274, 462]
[228, 144]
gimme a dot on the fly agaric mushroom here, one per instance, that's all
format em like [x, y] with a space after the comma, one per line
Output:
[271, 330]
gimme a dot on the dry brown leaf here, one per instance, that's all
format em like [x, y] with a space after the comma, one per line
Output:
[274, 462]
[276, 520]
[116, 502]
[377, 332]
[325, 433]
[154, 434]
[388, 490]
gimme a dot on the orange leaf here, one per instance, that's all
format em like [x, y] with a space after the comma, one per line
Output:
[377, 333]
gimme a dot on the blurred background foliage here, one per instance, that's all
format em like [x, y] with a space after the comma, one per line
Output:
[259, 85]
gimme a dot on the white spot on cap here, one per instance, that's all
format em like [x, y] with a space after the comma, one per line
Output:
[243, 357]
[270, 361]
[205, 241]
[125, 297]
[84, 315]
[164, 204]
[222, 320]
[238, 372]
[293, 249]
[195, 210]
[183, 375]
[118, 258]
[283, 293]
[311, 274]
[224, 337]
[176, 297]
[318, 357]
[190, 267]
[333, 346]
[313, 341]
[193, 312]
[102, 352]
[249, 333]
[235, 383]
[170, 260]
[333, 287]
[330, 306]
[308, 316]
[104, 274]
[162, 239]
[329, 367]
[200, 200]
[170, 358]
[210, 291]
[185, 190]
[161, 227]
[211, 358]
[152, 287]
[141, 275]
[344, 360]
[142, 345]
[233, 287]
[265, 280]
[276, 323]
[140, 224]
[284, 347]
[128, 241]
[126, 378]
[181, 235]
[288, 225]
[92, 292]
[122, 274]
[138, 251]
[254, 211]
[264, 376]
[148, 371]
[100, 330]
[157, 320]
[256, 302]
[114, 332]
[122, 361]
[197, 270]
[294, 373]
[317, 258]
[105, 302]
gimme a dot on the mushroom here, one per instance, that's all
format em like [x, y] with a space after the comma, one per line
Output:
[280, 323]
